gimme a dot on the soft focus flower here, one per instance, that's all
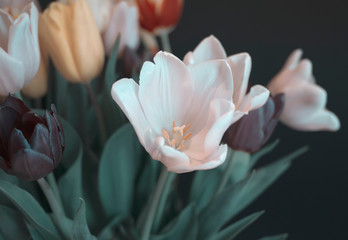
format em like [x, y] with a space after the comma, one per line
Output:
[15, 6]
[31, 146]
[71, 37]
[19, 47]
[123, 21]
[101, 10]
[304, 100]
[180, 113]
[159, 16]
[240, 64]
[252, 131]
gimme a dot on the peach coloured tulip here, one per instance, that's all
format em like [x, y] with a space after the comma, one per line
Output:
[304, 100]
[19, 47]
[70, 35]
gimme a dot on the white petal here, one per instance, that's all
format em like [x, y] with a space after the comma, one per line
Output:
[124, 21]
[166, 91]
[208, 139]
[215, 159]
[210, 48]
[12, 74]
[256, 98]
[323, 120]
[5, 23]
[212, 79]
[24, 47]
[241, 67]
[125, 94]
[173, 159]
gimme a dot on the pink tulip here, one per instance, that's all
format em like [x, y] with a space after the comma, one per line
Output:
[305, 101]
[19, 47]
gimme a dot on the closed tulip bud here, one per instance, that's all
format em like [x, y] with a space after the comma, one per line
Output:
[252, 131]
[70, 35]
[31, 145]
[158, 16]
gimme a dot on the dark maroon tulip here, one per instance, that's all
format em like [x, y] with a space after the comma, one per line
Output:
[253, 130]
[31, 145]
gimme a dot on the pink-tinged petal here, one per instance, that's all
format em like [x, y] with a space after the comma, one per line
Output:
[24, 47]
[33, 12]
[124, 21]
[12, 74]
[241, 67]
[165, 92]
[256, 98]
[5, 23]
[293, 59]
[214, 80]
[210, 48]
[323, 120]
[173, 159]
[125, 94]
[208, 139]
[301, 101]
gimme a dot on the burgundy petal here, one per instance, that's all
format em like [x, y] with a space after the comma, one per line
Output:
[60, 126]
[17, 142]
[29, 121]
[16, 104]
[3, 164]
[9, 119]
[54, 138]
[30, 165]
[39, 141]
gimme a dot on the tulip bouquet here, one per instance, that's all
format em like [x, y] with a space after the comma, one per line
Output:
[128, 120]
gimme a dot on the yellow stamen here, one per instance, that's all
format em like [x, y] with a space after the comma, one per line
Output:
[165, 134]
[188, 136]
[187, 127]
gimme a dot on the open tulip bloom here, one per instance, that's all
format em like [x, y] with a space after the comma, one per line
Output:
[92, 154]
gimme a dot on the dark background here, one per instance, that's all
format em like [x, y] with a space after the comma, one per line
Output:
[310, 200]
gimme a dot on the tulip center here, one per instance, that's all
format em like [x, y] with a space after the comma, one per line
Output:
[14, 12]
[178, 137]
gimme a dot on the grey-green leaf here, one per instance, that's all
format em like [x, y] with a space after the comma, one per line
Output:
[265, 150]
[80, 228]
[30, 208]
[120, 161]
[182, 227]
[12, 225]
[234, 229]
[234, 199]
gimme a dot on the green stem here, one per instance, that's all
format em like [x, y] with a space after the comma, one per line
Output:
[98, 111]
[146, 232]
[165, 42]
[53, 184]
[58, 213]
[226, 174]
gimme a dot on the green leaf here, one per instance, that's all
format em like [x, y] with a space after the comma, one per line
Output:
[110, 73]
[234, 199]
[183, 226]
[12, 225]
[107, 232]
[234, 229]
[240, 166]
[70, 183]
[265, 150]
[80, 228]
[120, 161]
[30, 209]
[277, 237]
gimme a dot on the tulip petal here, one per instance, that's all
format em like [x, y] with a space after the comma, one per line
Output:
[16, 104]
[39, 141]
[23, 46]
[323, 120]
[3, 164]
[17, 142]
[9, 119]
[165, 92]
[173, 159]
[54, 139]
[208, 139]
[125, 93]
[124, 21]
[5, 23]
[30, 165]
[241, 66]
[210, 48]
[12, 74]
[256, 98]
[214, 80]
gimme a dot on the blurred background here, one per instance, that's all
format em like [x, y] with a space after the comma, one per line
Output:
[310, 200]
